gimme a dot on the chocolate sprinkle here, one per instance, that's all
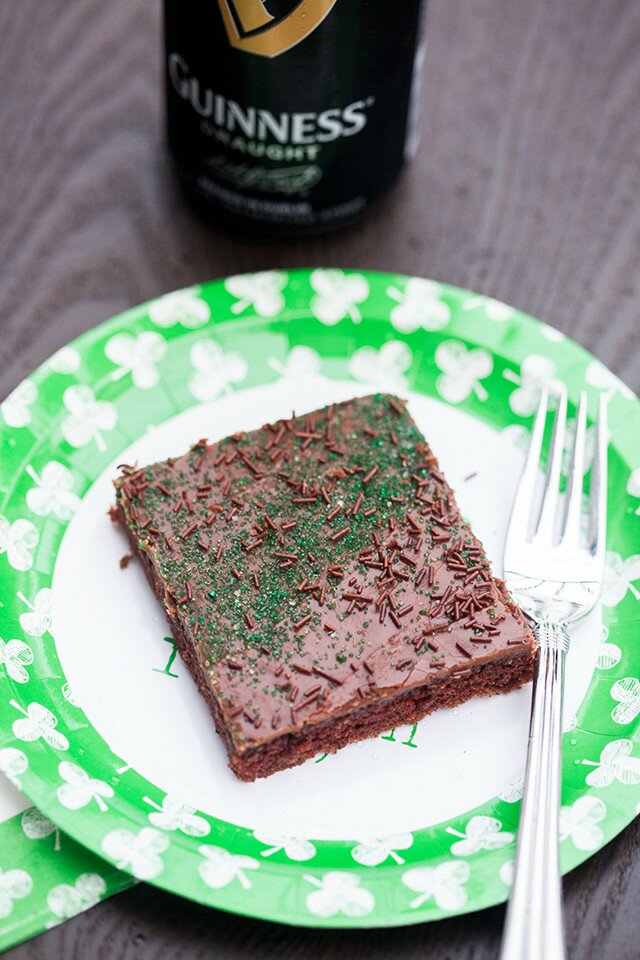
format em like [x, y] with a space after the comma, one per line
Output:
[340, 534]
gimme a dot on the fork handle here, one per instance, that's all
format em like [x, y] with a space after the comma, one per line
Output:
[533, 927]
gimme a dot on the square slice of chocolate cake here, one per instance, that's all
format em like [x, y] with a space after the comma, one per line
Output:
[320, 582]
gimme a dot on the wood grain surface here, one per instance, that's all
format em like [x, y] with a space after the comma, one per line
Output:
[527, 188]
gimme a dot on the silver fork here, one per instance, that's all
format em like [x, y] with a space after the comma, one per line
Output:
[554, 569]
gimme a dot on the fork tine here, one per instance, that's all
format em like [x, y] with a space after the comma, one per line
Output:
[598, 497]
[573, 509]
[521, 510]
[547, 523]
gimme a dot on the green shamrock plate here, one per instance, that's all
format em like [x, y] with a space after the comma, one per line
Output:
[122, 754]
[45, 876]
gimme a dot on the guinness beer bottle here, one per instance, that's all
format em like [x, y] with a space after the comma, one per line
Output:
[291, 116]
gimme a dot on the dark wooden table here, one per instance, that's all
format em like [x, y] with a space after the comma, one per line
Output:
[527, 188]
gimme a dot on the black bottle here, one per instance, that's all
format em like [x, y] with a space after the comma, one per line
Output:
[291, 116]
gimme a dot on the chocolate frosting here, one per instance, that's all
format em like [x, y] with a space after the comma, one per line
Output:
[317, 565]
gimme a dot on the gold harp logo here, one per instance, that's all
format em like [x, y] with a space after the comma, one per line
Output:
[252, 28]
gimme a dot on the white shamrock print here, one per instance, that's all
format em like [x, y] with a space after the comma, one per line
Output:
[444, 883]
[619, 576]
[371, 853]
[295, 848]
[15, 656]
[633, 486]
[67, 693]
[462, 371]
[300, 364]
[220, 867]
[338, 892]
[36, 826]
[513, 790]
[493, 309]
[536, 373]
[79, 788]
[14, 885]
[215, 370]
[385, 368]
[609, 654]
[184, 307]
[137, 852]
[481, 833]
[337, 295]
[614, 764]
[66, 900]
[38, 723]
[261, 291]
[627, 694]
[87, 418]
[38, 620]
[13, 763]
[419, 306]
[175, 815]
[580, 820]
[53, 491]
[598, 376]
[65, 360]
[138, 356]
[507, 872]
[551, 334]
[17, 540]
[15, 409]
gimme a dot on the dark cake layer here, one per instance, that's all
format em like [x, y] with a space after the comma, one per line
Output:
[320, 582]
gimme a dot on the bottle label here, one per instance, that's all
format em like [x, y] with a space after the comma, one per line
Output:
[250, 27]
[258, 132]
[289, 121]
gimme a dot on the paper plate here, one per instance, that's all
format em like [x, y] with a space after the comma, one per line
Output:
[45, 876]
[122, 753]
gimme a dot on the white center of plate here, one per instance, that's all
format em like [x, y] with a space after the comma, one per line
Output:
[110, 635]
